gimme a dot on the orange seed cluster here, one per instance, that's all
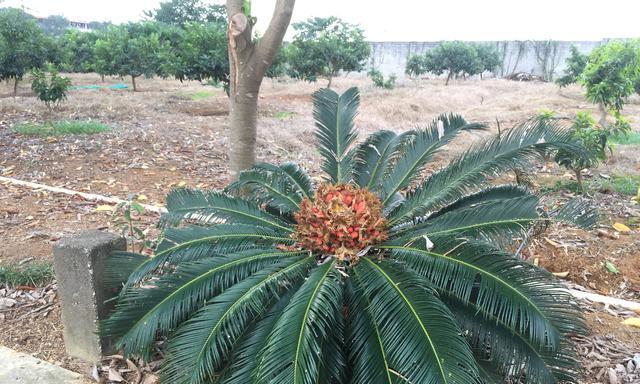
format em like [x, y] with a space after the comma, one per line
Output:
[342, 220]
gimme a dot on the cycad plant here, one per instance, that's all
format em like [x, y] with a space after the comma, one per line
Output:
[375, 275]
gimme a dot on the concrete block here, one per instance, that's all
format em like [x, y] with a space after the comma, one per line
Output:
[79, 263]
[20, 368]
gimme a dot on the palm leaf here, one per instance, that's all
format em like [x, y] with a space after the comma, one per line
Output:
[418, 148]
[517, 148]
[496, 220]
[367, 355]
[243, 362]
[519, 294]
[334, 115]
[280, 187]
[290, 354]
[193, 243]
[577, 211]
[417, 330]
[212, 207]
[202, 345]
[373, 156]
[510, 353]
[143, 312]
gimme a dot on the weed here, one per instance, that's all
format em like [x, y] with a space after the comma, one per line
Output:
[631, 138]
[285, 115]
[36, 274]
[622, 184]
[201, 95]
[61, 128]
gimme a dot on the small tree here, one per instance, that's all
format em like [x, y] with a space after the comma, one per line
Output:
[322, 47]
[203, 53]
[51, 88]
[489, 58]
[182, 12]
[78, 51]
[25, 47]
[129, 50]
[576, 62]
[378, 79]
[454, 58]
[593, 138]
[611, 75]
[280, 65]
[416, 65]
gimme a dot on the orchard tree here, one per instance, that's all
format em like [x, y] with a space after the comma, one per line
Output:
[612, 74]
[78, 48]
[181, 12]
[54, 25]
[280, 65]
[129, 51]
[322, 47]
[51, 88]
[203, 53]
[454, 58]
[416, 65]
[489, 58]
[25, 46]
[249, 61]
[576, 63]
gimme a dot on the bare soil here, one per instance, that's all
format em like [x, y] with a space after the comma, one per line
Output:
[162, 138]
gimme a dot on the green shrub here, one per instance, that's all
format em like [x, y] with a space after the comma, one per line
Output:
[62, 128]
[378, 79]
[576, 62]
[594, 139]
[373, 275]
[52, 89]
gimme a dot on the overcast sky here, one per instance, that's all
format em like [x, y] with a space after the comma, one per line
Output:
[411, 20]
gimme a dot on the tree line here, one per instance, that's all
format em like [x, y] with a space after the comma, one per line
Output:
[455, 59]
[180, 41]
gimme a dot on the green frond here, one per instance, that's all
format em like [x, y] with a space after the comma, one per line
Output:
[495, 220]
[515, 148]
[492, 193]
[418, 148]
[214, 207]
[367, 355]
[372, 157]
[119, 266]
[193, 243]
[202, 345]
[521, 295]
[417, 330]
[300, 184]
[577, 211]
[280, 187]
[290, 355]
[511, 354]
[244, 362]
[145, 311]
[334, 115]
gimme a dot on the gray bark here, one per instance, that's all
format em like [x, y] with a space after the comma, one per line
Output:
[249, 62]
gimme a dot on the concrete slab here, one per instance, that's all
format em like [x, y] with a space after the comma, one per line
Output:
[20, 368]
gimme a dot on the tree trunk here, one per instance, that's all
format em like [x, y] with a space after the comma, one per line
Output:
[448, 78]
[579, 180]
[133, 81]
[603, 115]
[329, 83]
[248, 63]
[15, 87]
[102, 77]
[50, 114]
[243, 118]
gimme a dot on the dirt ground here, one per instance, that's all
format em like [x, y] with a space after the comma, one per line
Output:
[173, 133]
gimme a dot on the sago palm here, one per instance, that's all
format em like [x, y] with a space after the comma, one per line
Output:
[371, 276]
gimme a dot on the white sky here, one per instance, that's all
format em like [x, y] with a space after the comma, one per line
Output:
[410, 20]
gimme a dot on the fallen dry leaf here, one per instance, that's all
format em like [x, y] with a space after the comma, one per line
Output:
[632, 321]
[104, 208]
[621, 227]
[115, 376]
[561, 274]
